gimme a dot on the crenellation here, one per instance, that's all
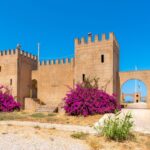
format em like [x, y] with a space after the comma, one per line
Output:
[5, 52]
[104, 37]
[52, 62]
[77, 41]
[89, 37]
[60, 61]
[13, 51]
[1, 53]
[32, 57]
[47, 62]
[83, 40]
[67, 60]
[29, 55]
[113, 38]
[42, 62]
[96, 38]
[57, 61]
[9, 51]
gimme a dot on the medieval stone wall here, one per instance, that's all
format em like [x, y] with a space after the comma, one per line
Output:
[15, 71]
[53, 79]
[26, 63]
[8, 70]
[93, 58]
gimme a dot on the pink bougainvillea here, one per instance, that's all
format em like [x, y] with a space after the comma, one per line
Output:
[7, 101]
[88, 101]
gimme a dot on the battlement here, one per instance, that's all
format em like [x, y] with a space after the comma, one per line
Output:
[17, 52]
[57, 61]
[29, 55]
[8, 52]
[96, 39]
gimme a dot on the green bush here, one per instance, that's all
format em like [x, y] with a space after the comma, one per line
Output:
[118, 127]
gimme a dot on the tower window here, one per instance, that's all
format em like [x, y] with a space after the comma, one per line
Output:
[102, 58]
[10, 81]
[0, 68]
[83, 77]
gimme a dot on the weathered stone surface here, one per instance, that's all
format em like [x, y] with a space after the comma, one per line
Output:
[49, 80]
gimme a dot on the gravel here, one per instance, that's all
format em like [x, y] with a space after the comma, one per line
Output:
[20, 138]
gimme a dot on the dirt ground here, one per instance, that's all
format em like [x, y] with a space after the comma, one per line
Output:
[35, 138]
[84, 141]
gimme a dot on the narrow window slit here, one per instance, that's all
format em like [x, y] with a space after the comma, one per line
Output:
[102, 58]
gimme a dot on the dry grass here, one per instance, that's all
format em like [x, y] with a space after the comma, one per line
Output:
[140, 142]
[79, 135]
[50, 118]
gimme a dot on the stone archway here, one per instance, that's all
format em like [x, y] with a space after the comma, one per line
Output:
[134, 93]
[144, 76]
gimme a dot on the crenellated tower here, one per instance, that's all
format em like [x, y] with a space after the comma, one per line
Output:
[98, 58]
[15, 71]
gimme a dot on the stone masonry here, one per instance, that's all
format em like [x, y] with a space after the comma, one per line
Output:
[35, 83]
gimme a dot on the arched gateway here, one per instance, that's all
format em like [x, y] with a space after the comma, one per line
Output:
[135, 98]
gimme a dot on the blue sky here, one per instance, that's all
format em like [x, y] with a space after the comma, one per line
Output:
[56, 23]
[134, 86]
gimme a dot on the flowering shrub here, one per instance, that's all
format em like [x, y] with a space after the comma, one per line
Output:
[88, 101]
[7, 102]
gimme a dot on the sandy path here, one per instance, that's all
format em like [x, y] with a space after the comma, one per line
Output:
[29, 138]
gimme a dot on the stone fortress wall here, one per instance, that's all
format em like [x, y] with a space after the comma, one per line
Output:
[53, 79]
[15, 71]
[48, 81]
[98, 57]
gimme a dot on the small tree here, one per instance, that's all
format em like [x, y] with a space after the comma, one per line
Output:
[7, 102]
[90, 83]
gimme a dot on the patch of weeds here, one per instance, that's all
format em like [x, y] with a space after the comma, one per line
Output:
[38, 115]
[9, 116]
[79, 135]
[4, 133]
[118, 128]
[9, 124]
[37, 127]
[51, 114]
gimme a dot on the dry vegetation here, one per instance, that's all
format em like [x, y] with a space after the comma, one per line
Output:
[50, 118]
[138, 142]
